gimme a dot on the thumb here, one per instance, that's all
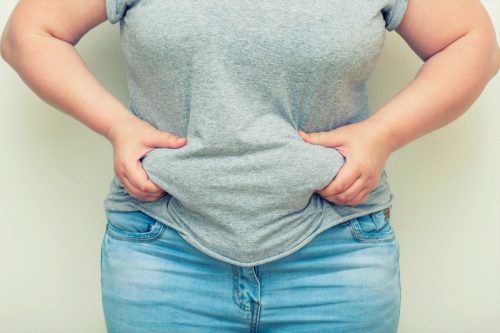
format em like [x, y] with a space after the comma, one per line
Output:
[166, 140]
[324, 138]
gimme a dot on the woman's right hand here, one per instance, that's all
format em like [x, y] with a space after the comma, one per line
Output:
[132, 138]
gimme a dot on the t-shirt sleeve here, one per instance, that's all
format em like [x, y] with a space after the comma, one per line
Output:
[116, 9]
[393, 13]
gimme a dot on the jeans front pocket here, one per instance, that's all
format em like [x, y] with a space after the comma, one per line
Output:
[373, 227]
[133, 226]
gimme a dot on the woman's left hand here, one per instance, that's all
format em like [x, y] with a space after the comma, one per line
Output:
[366, 147]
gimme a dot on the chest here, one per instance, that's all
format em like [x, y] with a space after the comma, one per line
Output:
[344, 33]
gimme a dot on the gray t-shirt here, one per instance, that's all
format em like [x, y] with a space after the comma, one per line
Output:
[238, 79]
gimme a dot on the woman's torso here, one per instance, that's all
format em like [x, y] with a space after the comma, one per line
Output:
[238, 79]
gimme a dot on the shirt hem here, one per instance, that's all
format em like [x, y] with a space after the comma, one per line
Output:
[206, 250]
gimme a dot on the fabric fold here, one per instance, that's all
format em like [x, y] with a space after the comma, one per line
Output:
[116, 9]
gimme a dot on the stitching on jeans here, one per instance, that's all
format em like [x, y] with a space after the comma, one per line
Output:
[209, 251]
[356, 235]
[236, 291]
[138, 239]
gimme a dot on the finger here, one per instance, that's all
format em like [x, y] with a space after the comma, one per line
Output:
[165, 140]
[324, 138]
[145, 196]
[352, 191]
[138, 177]
[344, 179]
[360, 198]
[132, 190]
[336, 200]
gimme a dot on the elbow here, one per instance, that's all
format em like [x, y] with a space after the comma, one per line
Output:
[494, 63]
[487, 52]
[489, 38]
[5, 47]
[13, 45]
[9, 43]
[5, 51]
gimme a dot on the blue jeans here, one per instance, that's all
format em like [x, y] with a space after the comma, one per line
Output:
[345, 280]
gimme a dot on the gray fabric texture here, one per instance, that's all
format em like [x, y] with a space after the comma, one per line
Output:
[238, 79]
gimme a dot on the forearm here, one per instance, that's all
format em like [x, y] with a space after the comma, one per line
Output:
[54, 70]
[444, 88]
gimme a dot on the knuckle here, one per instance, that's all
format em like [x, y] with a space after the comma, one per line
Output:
[142, 187]
[344, 197]
[340, 187]
[118, 169]
[363, 165]
[373, 179]
[119, 162]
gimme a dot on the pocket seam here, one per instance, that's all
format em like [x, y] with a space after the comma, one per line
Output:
[156, 232]
[359, 235]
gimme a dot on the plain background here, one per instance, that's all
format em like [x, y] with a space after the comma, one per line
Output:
[55, 173]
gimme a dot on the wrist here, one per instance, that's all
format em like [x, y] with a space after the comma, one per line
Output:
[112, 129]
[386, 134]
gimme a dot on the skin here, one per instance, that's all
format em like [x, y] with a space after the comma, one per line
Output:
[455, 39]
[457, 42]
[38, 41]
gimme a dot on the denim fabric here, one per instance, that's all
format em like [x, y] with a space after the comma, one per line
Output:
[345, 280]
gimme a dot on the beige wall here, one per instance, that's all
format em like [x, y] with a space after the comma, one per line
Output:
[54, 175]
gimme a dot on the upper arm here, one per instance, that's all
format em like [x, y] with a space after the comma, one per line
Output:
[429, 26]
[65, 20]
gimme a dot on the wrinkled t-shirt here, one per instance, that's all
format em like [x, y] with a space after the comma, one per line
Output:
[238, 79]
